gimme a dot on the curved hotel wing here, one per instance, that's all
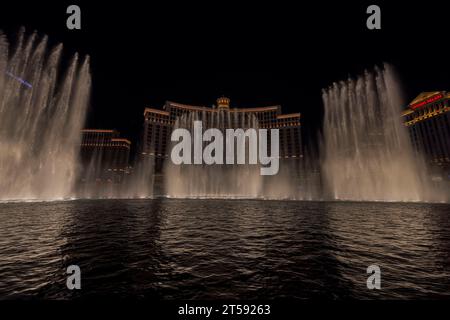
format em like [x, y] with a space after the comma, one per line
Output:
[159, 124]
[428, 121]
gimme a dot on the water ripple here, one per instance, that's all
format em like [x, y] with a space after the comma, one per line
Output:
[236, 249]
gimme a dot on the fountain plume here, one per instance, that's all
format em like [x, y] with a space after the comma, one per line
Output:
[40, 124]
[367, 152]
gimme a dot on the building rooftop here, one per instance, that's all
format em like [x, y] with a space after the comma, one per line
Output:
[153, 110]
[288, 116]
[114, 137]
[427, 97]
[222, 102]
[99, 130]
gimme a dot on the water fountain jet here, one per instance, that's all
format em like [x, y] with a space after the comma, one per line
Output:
[40, 125]
[367, 154]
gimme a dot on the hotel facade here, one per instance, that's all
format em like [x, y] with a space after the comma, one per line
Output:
[427, 118]
[104, 156]
[158, 126]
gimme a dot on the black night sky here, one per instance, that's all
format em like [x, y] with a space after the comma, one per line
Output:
[261, 53]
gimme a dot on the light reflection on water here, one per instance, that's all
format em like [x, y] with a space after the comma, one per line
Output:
[243, 249]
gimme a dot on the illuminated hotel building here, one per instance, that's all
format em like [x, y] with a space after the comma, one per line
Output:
[159, 124]
[428, 120]
[104, 155]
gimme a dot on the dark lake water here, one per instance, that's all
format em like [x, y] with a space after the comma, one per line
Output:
[220, 249]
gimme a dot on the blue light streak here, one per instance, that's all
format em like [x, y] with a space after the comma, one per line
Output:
[19, 79]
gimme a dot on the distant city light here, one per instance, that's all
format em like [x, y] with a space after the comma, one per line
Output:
[19, 79]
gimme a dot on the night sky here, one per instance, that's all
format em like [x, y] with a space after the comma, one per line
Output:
[261, 53]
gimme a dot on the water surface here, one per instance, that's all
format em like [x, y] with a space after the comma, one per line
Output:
[213, 249]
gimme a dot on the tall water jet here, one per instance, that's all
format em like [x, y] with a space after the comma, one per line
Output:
[366, 149]
[295, 179]
[42, 111]
[214, 181]
[105, 167]
[140, 182]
